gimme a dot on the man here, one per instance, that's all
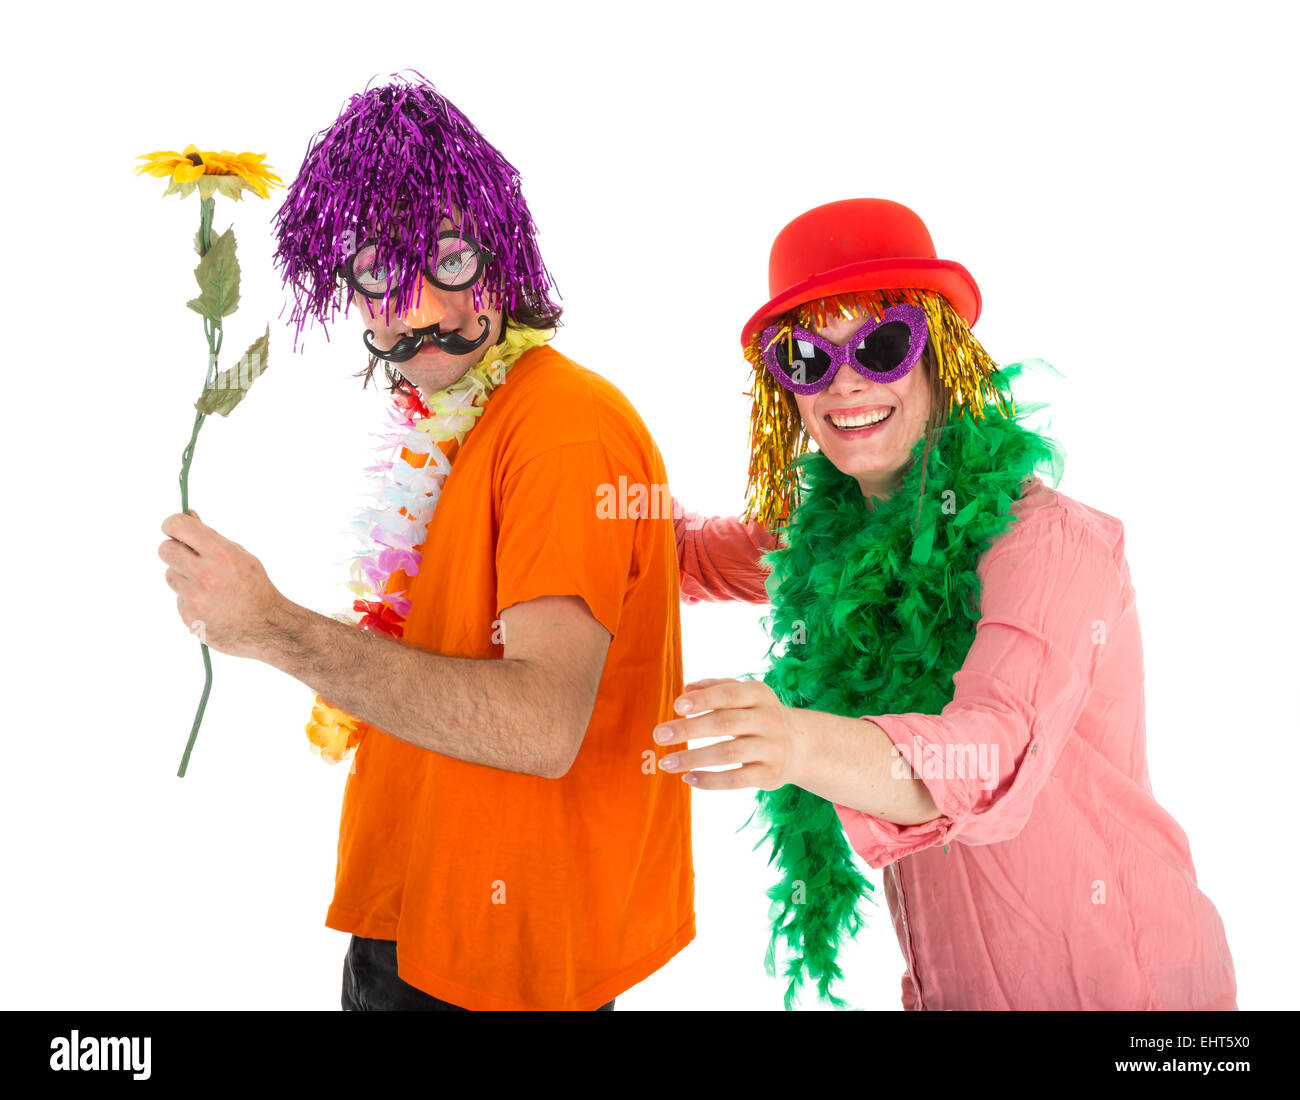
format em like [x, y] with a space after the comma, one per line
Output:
[507, 841]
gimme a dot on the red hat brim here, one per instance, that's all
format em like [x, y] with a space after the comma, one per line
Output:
[946, 277]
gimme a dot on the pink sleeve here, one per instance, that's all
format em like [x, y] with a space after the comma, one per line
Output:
[1051, 588]
[719, 557]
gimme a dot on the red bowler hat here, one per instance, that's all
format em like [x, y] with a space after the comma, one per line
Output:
[858, 244]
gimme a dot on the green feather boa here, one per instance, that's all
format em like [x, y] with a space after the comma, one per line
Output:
[868, 618]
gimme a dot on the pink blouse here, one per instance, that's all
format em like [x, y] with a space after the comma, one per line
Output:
[1052, 878]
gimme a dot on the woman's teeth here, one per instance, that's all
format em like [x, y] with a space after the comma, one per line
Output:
[864, 421]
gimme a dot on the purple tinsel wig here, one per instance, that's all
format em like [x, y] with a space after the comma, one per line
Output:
[403, 145]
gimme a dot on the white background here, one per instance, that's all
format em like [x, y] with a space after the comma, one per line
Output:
[1117, 177]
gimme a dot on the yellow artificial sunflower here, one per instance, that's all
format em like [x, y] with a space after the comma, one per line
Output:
[224, 173]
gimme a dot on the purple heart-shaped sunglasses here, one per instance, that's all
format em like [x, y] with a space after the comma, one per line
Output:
[881, 350]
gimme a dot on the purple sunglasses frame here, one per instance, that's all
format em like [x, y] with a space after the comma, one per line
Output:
[844, 354]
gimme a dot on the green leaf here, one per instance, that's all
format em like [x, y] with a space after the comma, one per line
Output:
[218, 279]
[198, 242]
[228, 388]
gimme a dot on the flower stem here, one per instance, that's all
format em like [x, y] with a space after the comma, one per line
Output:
[187, 456]
[213, 334]
[205, 223]
[198, 718]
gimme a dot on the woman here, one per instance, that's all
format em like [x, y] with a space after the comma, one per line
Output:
[956, 683]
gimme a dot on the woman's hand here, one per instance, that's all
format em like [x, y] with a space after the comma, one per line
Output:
[848, 761]
[765, 736]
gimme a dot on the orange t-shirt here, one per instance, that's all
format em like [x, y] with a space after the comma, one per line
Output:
[511, 891]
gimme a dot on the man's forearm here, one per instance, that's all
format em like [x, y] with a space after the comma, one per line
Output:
[487, 711]
[851, 761]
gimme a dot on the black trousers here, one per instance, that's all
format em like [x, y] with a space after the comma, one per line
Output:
[371, 984]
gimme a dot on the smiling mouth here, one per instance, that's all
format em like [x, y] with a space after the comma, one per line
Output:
[861, 420]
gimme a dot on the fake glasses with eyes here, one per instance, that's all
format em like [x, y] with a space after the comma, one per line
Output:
[456, 262]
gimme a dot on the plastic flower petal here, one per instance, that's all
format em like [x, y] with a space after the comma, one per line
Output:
[378, 616]
[333, 733]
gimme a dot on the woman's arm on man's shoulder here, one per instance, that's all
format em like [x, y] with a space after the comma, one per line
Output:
[719, 557]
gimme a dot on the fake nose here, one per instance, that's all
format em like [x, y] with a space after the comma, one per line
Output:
[427, 312]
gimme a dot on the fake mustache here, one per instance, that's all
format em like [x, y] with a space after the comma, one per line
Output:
[450, 342]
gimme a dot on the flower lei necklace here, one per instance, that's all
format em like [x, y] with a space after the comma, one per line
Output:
[869, 617]
[412, 481]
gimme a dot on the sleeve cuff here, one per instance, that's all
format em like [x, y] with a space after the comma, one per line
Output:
[881, 842]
